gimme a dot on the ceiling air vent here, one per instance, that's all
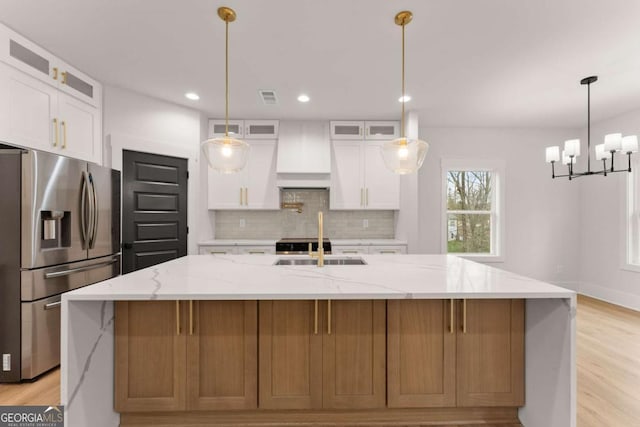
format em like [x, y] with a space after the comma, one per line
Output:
[268, 97]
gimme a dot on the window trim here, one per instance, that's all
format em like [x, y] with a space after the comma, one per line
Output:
[497, 166]
[631, 208]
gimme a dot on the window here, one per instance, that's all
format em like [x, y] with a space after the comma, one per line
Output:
[472, 196]
[633, 218]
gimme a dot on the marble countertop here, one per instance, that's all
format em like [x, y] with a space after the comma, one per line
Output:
[250, 277]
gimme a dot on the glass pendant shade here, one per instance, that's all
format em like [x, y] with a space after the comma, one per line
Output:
[226, 154]
[404, 155]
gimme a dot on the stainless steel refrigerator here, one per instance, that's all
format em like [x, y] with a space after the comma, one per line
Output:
[59, 230]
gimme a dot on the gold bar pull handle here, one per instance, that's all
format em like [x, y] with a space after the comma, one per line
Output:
[361, 196]
[451, 316]
[240, 196]
[55, 73]
[63, 125]
[64, 77]
[246, 196]
[178, 317]
[328, 317]
[55, 132]
[464, 316]
[366, 197]
[315, 317]
[190, 317]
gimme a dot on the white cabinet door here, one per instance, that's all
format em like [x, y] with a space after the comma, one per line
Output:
[28, 110]
[382, 130]
[346, 191]
[382, 187]
[226, 190]
[79, 129]
[261, 189]
[388, 249]
[349, 250]
[257, 250]
[79, 85]
[347, 130]
[217, 128]
[261, 129]
[26, 56]
[217, 250]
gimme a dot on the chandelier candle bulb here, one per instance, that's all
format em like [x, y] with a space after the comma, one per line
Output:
[630, 144]
[566, 159]
[553, 154]
[572, 147]
[613, 142]
[601, 153]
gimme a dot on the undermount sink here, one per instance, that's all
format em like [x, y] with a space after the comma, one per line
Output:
[314, 261]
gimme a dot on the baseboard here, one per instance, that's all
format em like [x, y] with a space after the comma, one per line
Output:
[623, 299]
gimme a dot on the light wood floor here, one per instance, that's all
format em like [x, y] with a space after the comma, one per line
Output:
[608, 342]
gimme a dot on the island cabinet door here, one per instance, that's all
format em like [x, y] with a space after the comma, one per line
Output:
[490, 353]
[421, 353]
[354, 354]
[150, 356]
[222, 355]
[290, 355]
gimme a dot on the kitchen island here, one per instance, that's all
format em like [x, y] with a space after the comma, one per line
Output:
[460, 301]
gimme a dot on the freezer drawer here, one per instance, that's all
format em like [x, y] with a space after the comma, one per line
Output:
[49, 281]
[40, 336]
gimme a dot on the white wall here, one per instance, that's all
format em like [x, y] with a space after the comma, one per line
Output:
[541, 214]
[141, 123]
[603, 226]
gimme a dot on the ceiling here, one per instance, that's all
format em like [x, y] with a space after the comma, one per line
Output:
[507, 63]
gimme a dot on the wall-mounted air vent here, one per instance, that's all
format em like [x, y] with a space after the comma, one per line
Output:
[268, 97]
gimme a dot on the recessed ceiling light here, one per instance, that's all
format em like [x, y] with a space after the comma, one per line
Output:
[303, 98]
[192, 96]
[405, 98]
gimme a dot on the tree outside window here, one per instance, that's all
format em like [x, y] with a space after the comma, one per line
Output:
[470, 217]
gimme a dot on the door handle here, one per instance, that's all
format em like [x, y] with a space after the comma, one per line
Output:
[241, 198]
[328, 317]
[52, 305]
[64, 77]
[94, 229]
[84, 207]
[366, 197]
[54, 274]
[55, 132]
[63, 125]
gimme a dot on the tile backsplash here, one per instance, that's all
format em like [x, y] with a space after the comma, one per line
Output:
[247, 224]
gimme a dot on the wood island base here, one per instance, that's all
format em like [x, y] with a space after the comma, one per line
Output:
[450, 417]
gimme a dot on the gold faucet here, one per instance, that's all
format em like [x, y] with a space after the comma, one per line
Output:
[320, 252]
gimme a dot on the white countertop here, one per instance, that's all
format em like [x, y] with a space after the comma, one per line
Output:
[249, 277]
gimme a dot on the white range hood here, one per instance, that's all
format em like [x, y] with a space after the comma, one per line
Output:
[304, 154]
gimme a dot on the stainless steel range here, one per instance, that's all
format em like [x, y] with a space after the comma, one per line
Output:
[300, 246]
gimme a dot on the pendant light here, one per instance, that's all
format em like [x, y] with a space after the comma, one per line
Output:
[226, 154]
[404, 155]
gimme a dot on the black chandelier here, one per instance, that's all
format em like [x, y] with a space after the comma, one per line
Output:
[613, 143]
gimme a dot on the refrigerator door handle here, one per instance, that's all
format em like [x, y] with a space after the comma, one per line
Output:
[83, 209]
[70, 271]
[94, 214]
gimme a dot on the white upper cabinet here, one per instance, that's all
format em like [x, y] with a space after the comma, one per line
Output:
[48, 105]
[218, 128]
[359, 178]
[347, 130]
[304, 147]
[261, 129]
[382, 130]
[252, 188]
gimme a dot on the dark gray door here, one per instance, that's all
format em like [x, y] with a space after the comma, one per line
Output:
[154, 209]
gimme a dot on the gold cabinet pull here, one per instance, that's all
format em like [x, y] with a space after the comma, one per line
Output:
[178, 317]
[361, 196]
[246, 196]
[55, 73]
[451, 316]
[55, 132]
[63, 124]
[190, 317]
[366, 197]
[464, 316]
[64, 77]
[328, 317]
[315, 317]
[240, 196]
